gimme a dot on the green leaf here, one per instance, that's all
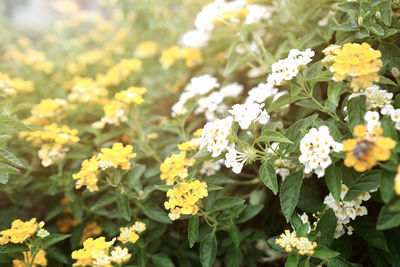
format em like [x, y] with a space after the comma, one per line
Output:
[124, 207]
[268, 176]
[280, 102]
[324, 253]
[386, 12]
[208, 250]
[273, 136]
[155, 213]
[226, 203]
[9, 158]
[235, 61]
[14, 123]
[202, 153]
[249, 212]
[326, 226]
[161, 260]
[289, 194]
[386, 187]
[333, 179]
[107, 199]
[352, 8]
[292, 260]
[335, 90]
[388, 218]
[233, 257]
[356, 110]
[8, 168]
[365, 227]
[338, 263]
[366, 182]
[53, 239]
[235, 235]
[384, 80]
[193, 230]
[377, 30]
[12, 248]
[3, 177]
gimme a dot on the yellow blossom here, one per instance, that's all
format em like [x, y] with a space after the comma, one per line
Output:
[190, 145]
[19, 231]
[47, 111]
[397, 181]
[94, 252]
[358, 61]
[86, 90]
[119, 72]
[192, 56]
[305, 246]
[88, 175]
[183, 198]
[287, 240]
[128, 234]
[364, 152]
[118, 156]
[40, 259]
[169, 56]
[175, 167]
[132, 95]
[120, 255]
[146, 49]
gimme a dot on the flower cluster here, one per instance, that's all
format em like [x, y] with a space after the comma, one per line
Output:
[200, 85]
[183, 198]
[175, 167]
[146, 49]
[117, 156]
[377, 99]
[192, 56]
[286, 69]
[397, 181]
[12, 86]
[91, 230]
[290, 241]
[99, 252]
[20, 231]
[215, 135]
[40, 259]
[346, 210]
[119, 72]
[130, 234]
[364, 151]
[358, 61]
[86, 90]
[248, 113]
[117, 110]
[52, 140]
[315, 148]
[47, 111]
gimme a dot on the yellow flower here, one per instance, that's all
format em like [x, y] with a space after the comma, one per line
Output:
[287, 240]
[94, 252]
[183, 198]
[115, 112]
[19, 231]
[397, 181]
[229, 15]
[190, 145]
[118, 155]
[132, 95]
[175, 167]
[86, 90]
[146, 49]
[364, 152]
[12, 86]
[358, 61]
[128, 234]
[192, 56]
[169, 56]
[90, 230]
[88, 175]
[120, 255]
[47, 111]
[40, 259]
[119, 72]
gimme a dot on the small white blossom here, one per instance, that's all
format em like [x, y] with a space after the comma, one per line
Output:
[247, 113]
[215, 135]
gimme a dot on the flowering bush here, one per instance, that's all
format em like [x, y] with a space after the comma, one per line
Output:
[202, 133]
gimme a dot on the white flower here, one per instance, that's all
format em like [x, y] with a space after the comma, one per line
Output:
[257, 13]
[387, 109]
[195, 38]
[247, 113]
[201, 85]
[231, 90]
[42, 233]
[395, 115]
[235, 159]
[261, 92]
[215, 135]
[210, 167]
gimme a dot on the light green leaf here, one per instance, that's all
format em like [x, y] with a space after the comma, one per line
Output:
[273, 136]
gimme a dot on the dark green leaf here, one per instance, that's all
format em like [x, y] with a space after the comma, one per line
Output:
[333, 179]
[161, 260]
[366, 182]
[124, 207]
[249, 212]
[193, 230]
[326, 226]
[356, 110]
[226, 203]
[324, 253]
[208, 250]
[292, 260]
[155, 213]
[289, 194]
[53, 239]
[268, 176]
[11, 248]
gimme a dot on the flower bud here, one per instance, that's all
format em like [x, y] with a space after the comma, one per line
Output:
[360, 21]
[378, 15]
[395, 72]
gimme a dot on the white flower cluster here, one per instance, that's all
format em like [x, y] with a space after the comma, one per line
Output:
[304, 219]
[235, 159]
[247, 113]
[285, 69]
[205, 19]
[372, 119]
[262, 91]
[346, 210]
[315, 148]
[211, 167]
[376, 99]
[215, 135]
[199, 85]
[213, 103]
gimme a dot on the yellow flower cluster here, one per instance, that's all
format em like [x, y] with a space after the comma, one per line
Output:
[96, 252]
[52, 140]
[289, 241]
[29, 56]
[12, 86]
[117, 156]
[192, 144]
[86, 90]
[119, 72]
[130, 234]
[40, 259]
[183, 198]
[192, 56]
[175, 167]
[47, 111]
[364, 152]
[117, 110]
[90, 230]
[358, 61]
[20, 231]
[397, 181]
[132, 95]
[146, 49]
